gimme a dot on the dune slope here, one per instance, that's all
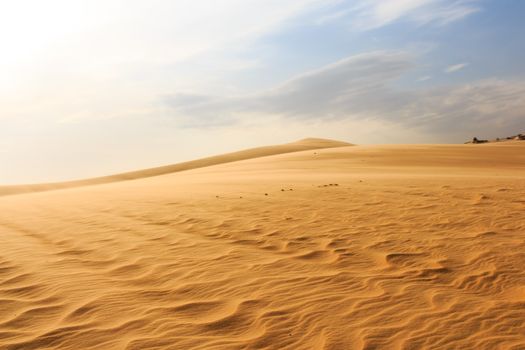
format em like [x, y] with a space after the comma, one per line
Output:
[301, 145]
[364, 247]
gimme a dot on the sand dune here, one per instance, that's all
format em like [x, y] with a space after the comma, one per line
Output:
[301, 145]
[363, 247]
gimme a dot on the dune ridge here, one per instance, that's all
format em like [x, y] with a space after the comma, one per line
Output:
[301, 145]
[364, 247]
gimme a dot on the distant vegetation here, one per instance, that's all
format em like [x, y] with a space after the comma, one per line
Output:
[508, 138]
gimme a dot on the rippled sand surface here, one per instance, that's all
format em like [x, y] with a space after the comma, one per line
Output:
[354, 247]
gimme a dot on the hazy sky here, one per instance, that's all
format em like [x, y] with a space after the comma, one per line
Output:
[101, 86]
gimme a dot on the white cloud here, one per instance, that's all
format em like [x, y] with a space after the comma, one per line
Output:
[456, 67]
[328, 90]
[89, 59]
[116, 31]
[371, 14]
[424, 78]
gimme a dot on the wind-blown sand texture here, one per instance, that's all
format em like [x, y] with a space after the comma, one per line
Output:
[352, 247]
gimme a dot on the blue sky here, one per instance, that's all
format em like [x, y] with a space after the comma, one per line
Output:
[94, 87]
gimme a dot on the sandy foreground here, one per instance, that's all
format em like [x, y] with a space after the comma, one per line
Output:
[351, 247]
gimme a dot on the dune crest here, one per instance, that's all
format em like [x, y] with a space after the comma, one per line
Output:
[301, 145]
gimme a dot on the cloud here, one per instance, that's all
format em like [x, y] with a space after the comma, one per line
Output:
[123, 31]
[350, 82]
[456, 67]
[128, 50]
[489, 107]
[371, 14]
[361, 87]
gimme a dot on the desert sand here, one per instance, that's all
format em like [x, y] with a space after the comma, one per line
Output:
[311, 245]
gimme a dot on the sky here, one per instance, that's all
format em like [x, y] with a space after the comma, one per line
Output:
[95, 87]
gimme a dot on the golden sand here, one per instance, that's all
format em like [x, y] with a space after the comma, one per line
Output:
[350, 247]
